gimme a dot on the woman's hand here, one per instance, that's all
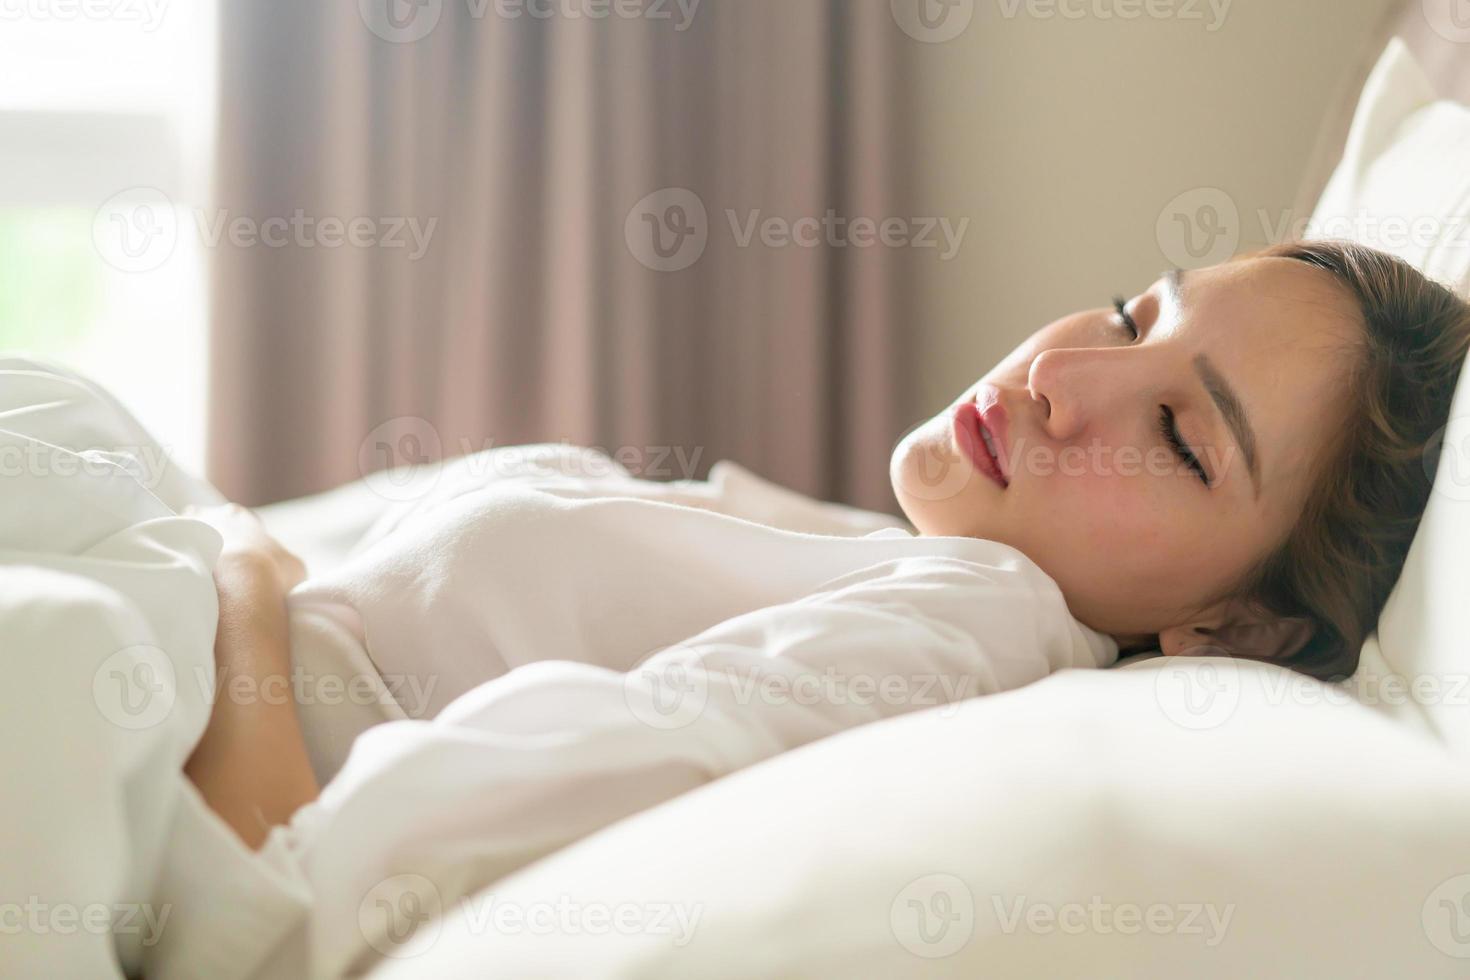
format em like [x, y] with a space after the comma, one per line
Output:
[251, 765]
[247, 541]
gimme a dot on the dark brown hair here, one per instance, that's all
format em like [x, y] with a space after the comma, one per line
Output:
[1341, 559]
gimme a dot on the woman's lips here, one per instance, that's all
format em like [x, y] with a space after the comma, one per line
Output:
[972, 426]
[997, 422]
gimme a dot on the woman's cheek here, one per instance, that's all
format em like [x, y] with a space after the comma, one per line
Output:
[1116, 510]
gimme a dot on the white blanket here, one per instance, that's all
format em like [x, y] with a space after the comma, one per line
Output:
[108, 612]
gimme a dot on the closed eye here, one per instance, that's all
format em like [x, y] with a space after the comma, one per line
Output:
[1167, 427]
[1170, 431]
[1124, 317]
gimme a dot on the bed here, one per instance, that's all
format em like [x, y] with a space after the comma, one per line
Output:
[1167, 818]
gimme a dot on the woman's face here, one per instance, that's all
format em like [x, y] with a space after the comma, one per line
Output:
[1246, 361]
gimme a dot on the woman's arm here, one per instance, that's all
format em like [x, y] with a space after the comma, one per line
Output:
[552, 751]
[251, 766]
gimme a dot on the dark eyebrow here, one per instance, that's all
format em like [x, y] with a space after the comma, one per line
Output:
[1224, 396]
[1228, 402]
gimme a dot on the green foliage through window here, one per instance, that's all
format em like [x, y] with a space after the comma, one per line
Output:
[50, 283]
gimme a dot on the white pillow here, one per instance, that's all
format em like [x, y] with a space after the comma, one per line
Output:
[1404, 186]
[1089, 825]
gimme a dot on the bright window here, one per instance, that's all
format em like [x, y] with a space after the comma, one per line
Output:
[104, 104]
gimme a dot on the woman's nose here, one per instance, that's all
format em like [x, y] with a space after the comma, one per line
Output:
[1067, 387]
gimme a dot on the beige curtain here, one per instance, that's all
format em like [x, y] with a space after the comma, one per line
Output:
[533, 314]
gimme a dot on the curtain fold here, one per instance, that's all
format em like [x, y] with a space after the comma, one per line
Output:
[522, 145]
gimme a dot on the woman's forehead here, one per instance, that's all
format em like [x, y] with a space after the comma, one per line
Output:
[1303, 303]
[1285, 335]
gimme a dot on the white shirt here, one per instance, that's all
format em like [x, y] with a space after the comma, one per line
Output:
[556, 552]
[638, 639]
[586, 644]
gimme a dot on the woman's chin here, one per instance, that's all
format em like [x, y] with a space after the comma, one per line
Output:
[936, 487]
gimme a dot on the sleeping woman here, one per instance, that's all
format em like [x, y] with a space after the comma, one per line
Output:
[1232, 462]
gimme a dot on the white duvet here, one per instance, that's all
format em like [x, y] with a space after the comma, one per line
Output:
[108, 610]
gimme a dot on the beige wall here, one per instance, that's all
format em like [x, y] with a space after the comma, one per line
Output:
[1065, 140]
